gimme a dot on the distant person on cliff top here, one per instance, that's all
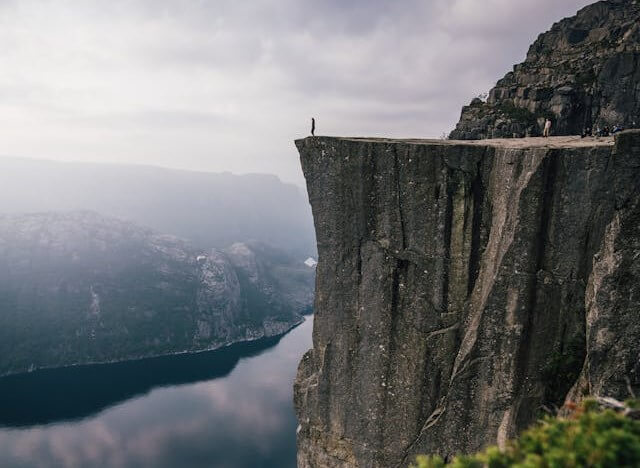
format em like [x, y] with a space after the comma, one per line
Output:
[547, 128]
[313, 126]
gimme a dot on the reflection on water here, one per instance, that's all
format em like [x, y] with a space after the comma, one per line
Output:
[227, 408]
[67, 394]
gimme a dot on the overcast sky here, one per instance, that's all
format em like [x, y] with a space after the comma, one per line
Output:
[223, 85]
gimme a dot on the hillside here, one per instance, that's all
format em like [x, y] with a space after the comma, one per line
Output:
[210, 210]
[79, 287]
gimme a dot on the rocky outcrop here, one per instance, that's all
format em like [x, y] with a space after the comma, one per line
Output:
[78, 288]
[583, 73]
[461, 287]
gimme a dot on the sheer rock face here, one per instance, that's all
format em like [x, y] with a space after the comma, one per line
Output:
[462, 286]
[584, 72]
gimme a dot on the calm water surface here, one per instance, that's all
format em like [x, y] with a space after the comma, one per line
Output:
[228, 408]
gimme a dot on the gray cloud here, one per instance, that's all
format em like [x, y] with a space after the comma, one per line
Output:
[230, 84]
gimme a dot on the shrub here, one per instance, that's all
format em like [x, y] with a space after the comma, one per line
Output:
[562, 369]
[590, 437]
[517, 114]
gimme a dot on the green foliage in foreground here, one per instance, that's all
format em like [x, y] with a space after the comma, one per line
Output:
[589, 438]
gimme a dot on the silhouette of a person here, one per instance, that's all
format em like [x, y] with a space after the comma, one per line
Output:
[313, 126]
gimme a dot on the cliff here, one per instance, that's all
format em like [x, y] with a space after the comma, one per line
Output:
[460, 287]
[582, 73]
[78, 288]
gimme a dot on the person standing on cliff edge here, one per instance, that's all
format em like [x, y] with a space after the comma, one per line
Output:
[313, 126]
[547, 128]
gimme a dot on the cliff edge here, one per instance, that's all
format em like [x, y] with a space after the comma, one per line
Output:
[460, 287]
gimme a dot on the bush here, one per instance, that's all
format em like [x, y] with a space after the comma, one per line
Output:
[562, 370]
[590, 437]
[517, 114]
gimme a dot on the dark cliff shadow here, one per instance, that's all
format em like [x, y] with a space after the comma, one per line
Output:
[72, 393]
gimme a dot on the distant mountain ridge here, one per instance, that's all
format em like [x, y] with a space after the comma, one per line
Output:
[79, 288]
[211, 210]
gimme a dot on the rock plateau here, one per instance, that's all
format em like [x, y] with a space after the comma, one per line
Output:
[462, 286]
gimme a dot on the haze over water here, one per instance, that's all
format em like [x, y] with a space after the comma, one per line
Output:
[228, 408]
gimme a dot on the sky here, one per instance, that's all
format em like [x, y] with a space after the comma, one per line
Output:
[227, 85]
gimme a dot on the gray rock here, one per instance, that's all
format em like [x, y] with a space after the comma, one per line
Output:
[461, 287]
[582, 73]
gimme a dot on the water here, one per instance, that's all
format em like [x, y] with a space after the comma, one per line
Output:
[227, 408]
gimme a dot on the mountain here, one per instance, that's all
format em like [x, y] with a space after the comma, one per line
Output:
[210, 210]
[583, 73]
[79, 287]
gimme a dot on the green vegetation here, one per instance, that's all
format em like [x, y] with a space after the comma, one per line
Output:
[563, 368]
[518, 114]
[586, 79]
[590, 437]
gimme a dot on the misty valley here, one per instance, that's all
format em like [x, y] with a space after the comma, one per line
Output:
[134, 299]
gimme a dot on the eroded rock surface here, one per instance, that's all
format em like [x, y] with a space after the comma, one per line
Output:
[461, 287]
[583, 73]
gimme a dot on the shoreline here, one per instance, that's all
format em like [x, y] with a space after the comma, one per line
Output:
[294, 325]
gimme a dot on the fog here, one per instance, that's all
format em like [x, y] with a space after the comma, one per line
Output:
[210, 210]
[226, 85]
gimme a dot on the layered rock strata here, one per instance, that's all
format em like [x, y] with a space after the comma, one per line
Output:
[583, 73]
[463, 286]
